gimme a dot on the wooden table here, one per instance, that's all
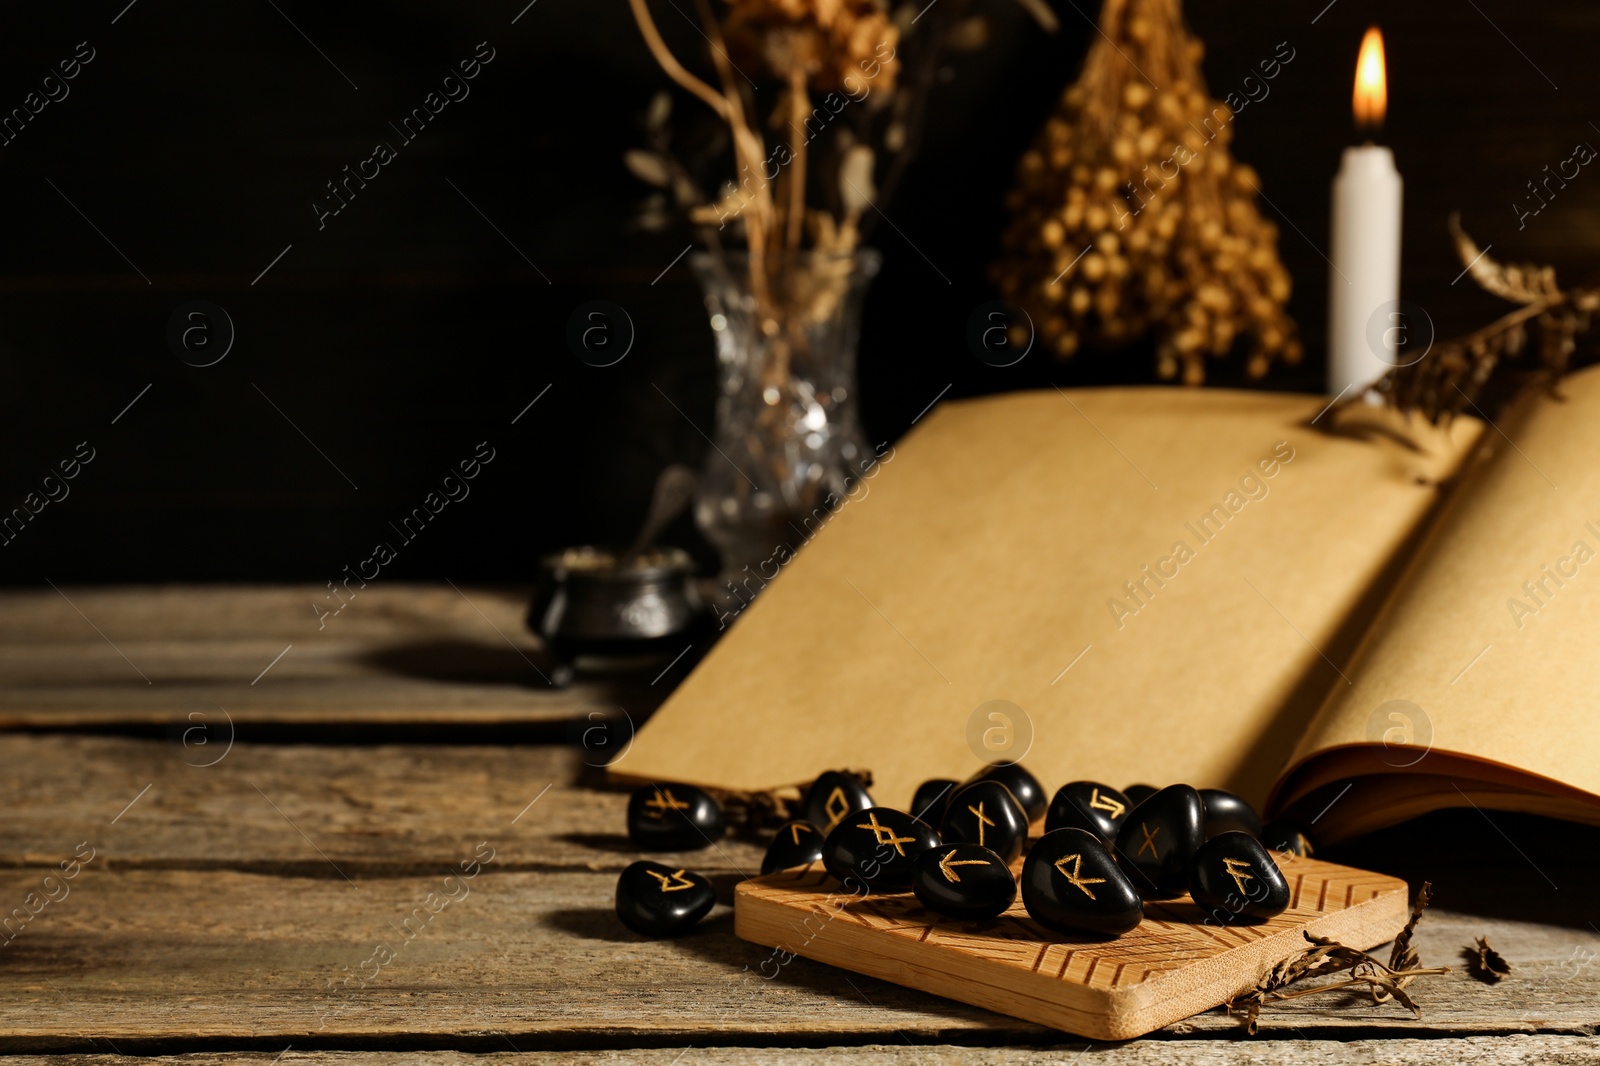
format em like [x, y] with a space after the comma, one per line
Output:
[237, 897]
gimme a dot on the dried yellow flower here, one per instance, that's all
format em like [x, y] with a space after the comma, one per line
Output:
[845, 45]
[1134, 170]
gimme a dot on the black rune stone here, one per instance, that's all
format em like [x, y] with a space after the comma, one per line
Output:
[673, 818]
[797, 844]
[1071, 884]
[1088, 805]
[1137, 794]
[832, 796]
[932, 798]
[986, 814]
[963, 881]
[1228, 813]
[659, 900]
[874, 849]
[1023, 785]
[1159, 837]
[1284, 835]
[1235, 880]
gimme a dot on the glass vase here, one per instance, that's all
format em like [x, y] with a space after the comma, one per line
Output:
[789, 448]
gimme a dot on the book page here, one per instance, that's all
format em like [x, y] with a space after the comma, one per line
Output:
[1487, 655]
[1152, 583]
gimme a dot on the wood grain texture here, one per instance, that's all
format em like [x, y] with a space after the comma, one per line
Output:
[387, 809]
[217, 915]
[1176, 963]
[170, 960]
[239, 916]
[395, 654]
[1490, 1051]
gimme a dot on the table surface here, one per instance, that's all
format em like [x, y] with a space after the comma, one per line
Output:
[256, 892]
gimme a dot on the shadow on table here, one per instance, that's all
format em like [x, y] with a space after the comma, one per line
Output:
[464, 660]
[742, 862]
[714, 942]
[728, 851]
[1498, 865]
[610, 843]
[602, 923]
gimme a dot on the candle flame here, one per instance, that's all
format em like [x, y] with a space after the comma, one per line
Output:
[1371, 97]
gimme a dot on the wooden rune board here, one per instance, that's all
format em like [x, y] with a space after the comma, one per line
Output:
[1169, 967]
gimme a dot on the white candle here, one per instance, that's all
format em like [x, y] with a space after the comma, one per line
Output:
[1364, 322]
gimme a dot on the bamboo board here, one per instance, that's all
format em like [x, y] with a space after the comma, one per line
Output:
[1171, 966]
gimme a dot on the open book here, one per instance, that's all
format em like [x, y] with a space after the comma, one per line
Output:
[1163, 585]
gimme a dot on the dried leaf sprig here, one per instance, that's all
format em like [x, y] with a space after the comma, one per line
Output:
[1470, 371]
[1485, 963]
[1403, 955]
[1327, 956]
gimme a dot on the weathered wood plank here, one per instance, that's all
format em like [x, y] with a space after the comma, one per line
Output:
[365, 810]
[394, 654]
[143, 955]
[398, 808]
[162, 960]
[202, 613]
[1489, 1051]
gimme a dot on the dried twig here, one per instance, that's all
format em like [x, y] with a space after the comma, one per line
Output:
[1403, 956]
[1041, 13]
[1485, 963]
[1327, 956]
[671, 66]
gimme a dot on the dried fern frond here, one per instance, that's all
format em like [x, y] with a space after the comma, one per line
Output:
[1522, 283]
[1470, 372]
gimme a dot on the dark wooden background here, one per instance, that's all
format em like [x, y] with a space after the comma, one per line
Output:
[408, 329]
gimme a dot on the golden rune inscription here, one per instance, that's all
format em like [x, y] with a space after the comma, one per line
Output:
[1105, 803]
[676, 883]
[662, 802]
[1149, 840]
[1073, 876]
[883, 834]
[836, 807]
[1240, 871]
[983, 820]
[950, 860]
[797, 828]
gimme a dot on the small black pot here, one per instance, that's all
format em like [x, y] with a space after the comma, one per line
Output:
[586, 604]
